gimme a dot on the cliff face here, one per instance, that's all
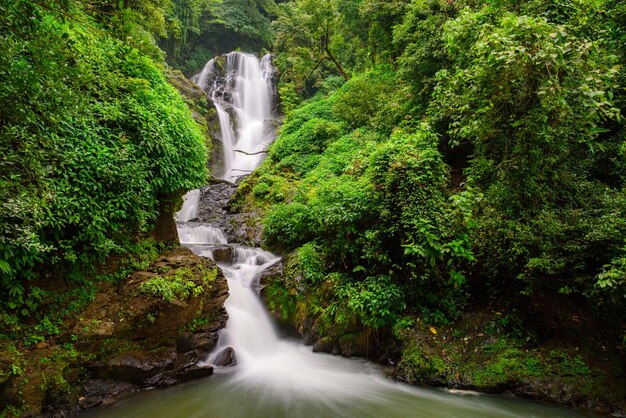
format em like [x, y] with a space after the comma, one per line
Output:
[148, 331]
[202, 111]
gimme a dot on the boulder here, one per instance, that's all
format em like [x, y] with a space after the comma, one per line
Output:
[223, 254]
[226, 357]
[135, 367]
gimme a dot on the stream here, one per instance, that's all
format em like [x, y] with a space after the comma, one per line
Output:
[276, 377]
[273, 376]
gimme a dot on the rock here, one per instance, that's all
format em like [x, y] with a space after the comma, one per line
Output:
[135, 367]
[226, 357]
[184, 342]
[324, 344]
[194, 372]
[202, 343]
[308, 331]
[355, 345]
[102, 392]
[223, 254]
[214, 209]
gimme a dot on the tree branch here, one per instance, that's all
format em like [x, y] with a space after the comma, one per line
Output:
[252, 153]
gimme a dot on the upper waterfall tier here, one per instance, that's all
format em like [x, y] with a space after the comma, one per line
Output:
[241, 87]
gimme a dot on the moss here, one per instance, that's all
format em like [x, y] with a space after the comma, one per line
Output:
[562, 364]
[210, 275]
[506, 365]
[418, 365]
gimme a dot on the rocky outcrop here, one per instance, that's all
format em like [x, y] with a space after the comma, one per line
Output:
[215, 210]
[296, 306]
[202, 111]
[151, 330]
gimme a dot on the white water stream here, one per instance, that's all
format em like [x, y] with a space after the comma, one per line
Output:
[279, 378]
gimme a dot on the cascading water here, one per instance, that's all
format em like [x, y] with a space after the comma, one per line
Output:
[274, 377]
[190, 207]
[245, 92]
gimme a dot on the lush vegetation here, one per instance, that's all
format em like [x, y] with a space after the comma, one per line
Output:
[477, 149]
[197, 30]
[436, 156]
[93, 142]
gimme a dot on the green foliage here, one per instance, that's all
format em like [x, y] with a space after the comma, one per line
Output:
[372, 100]
[179, 286]
[610, 286]
[377, 301]
[93, 137]
[423, 53]
[531, 97]
[487, 157]
[288, 224]
[198, 30]
[373, 206]
[301, 143]
[309, 33]
[138, 257]
[310, 260]
[248, 19]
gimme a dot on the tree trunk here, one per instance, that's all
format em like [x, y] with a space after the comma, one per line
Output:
[339, 67]
[165, 227]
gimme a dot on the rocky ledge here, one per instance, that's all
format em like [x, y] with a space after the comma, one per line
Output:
[149, 331]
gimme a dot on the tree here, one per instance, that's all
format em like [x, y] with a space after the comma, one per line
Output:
[307, 32]
[532, 99]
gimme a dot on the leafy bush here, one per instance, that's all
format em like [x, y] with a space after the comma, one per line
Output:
[179, 285]
[530, 98]
[300, 151]
[288, 224]
[373, 99]
[377, 301]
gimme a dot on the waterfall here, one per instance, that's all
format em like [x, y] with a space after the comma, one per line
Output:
[189, 210]
[269, 376]
[249, 330]
[190, 234]
[243, 98]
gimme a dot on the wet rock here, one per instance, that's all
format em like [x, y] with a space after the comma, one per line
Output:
[324, 345]
[226, 357]
[223, 254]
[308, 331]
[200, 343]
[135, 367]
[98, 392]
[193, 372]
[351, 345]
[214, 209]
